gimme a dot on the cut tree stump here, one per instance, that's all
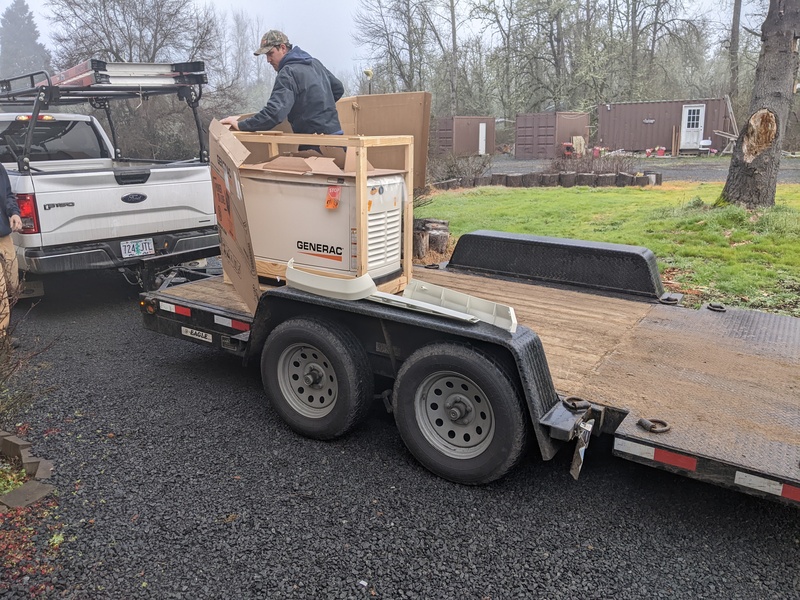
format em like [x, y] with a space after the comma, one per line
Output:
[549, 179]
[624, 179]
[567, 179]
[531, 180]
[606, 179]
[430, 234]
[499, 178]
[514, 180]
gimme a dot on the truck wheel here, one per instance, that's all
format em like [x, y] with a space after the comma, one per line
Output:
[459, 413]
[317, 376]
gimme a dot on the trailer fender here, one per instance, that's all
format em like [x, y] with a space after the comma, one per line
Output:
[613, 267]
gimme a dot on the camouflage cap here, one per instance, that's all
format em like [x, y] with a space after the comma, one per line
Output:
[271, 39]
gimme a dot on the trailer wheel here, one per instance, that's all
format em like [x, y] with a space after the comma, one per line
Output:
[459, 414]
[317, 376]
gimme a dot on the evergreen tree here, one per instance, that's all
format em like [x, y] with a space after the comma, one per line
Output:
[20, 49]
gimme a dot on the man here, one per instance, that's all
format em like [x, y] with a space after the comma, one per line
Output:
[9, 279]
[305, 92]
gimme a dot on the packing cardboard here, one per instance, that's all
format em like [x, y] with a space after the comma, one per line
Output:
[236, 249]
[405, 113]
[390, 114]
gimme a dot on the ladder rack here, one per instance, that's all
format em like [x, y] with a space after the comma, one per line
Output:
[98, 82]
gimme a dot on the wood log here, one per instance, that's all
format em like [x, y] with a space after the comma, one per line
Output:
[514, 180]
[484, 180]
[567, 179]
[421, 244]
[624, 179]
[438, 241]
[641, 180]
[606, 179]
[431, 225]
[499, 178]
[586, 179]
[549, 179]
[531, 179]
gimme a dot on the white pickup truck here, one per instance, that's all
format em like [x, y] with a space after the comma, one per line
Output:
[82, 205]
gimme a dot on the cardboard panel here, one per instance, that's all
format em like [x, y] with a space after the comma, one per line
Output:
[391, 114]
[236, 249]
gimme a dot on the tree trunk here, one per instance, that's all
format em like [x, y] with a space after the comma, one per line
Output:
[753, 173]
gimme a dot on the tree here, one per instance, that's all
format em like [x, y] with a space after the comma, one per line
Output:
[139, 31]
[395, 33]
[20, 49]
[753, 173]
[132, 31]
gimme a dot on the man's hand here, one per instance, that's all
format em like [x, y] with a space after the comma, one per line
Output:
[15, 222]
[232, 121]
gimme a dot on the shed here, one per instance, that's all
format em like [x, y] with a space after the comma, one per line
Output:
[465, 136]
[542, 135]
[637, 126]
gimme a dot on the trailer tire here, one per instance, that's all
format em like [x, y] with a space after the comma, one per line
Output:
[317, 377]
[459, 413]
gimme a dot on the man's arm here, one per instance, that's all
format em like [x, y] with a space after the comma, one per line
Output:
[336, 86]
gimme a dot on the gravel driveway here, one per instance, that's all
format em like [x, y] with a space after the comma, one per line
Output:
[175, 480]
[672, 169]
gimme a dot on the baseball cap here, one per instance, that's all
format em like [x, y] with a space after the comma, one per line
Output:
[271, 39]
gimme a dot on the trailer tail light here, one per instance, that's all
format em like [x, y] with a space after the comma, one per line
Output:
[28, 213]
[149, 306]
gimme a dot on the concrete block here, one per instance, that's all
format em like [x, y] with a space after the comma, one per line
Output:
[12, 446]
[26, 494]
[45, 469]
[29, 462]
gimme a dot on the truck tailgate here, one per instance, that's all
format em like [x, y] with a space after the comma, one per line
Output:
[82, 206]
[728, 383]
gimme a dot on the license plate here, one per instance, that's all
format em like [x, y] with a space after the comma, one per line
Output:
[137, 248]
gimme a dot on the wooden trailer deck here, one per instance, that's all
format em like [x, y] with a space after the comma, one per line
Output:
[728, 383]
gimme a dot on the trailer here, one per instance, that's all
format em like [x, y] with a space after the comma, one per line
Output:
[517, 340]
[600, 348]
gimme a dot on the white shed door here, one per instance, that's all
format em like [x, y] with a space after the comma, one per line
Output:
[694, 115]
[481, 138]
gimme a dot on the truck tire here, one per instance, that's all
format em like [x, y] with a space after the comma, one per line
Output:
[459, 413]
[317, 377]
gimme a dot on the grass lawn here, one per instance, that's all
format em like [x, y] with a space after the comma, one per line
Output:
[741, 258]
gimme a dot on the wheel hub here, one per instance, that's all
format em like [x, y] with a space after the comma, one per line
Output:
[459, 409]
[308, 380]
[313, 376]
[454, 414]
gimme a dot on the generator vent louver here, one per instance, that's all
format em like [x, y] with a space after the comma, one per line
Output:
[384, 233]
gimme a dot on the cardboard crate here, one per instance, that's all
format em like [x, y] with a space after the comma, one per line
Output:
[261, 196]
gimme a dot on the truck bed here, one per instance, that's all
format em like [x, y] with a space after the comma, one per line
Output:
[728, 383]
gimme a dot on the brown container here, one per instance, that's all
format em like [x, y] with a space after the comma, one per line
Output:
[639, 126]
[465, 136]
[542, 135]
